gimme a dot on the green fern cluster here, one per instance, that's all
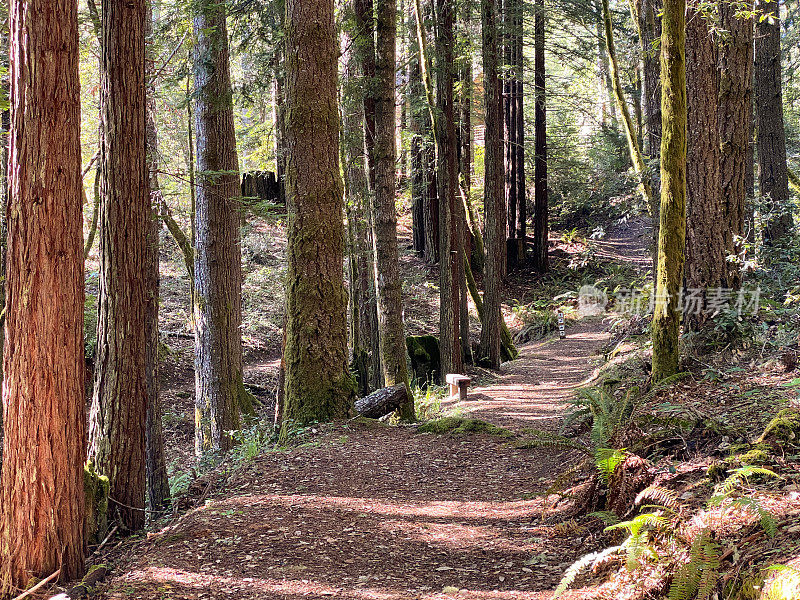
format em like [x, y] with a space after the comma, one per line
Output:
[725, 491]
[697, 579]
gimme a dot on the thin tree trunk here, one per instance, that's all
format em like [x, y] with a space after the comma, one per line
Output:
[44, 415]
[541, 202]
[510, 8]
[735, 124]
[705, 233]
[522, 196]
[119, 403]
[451, 243]
[773, 179]
[386, 254]
[156, 466]
[494, 205]
[672, 232]
[318, 384]
[650, 33]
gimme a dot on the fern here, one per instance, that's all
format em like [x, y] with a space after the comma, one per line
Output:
[607, 461]
[699, 577]
[606, 516]
[581, 564]
[767, 521]
[638, 542]
[739, 477]
[662, 496]
[732, 483]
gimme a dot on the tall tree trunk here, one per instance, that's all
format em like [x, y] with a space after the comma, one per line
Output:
[219, 389]
[450, 240]
[318, 384]
[387, 256]
[522, 196]
[279, 111]
[705, 222]
[364, 13]
[44, 444]
[735, 124]
[541, 208]
[494, 205]
[773, 178]
[119, 403]
[510, 8]
[156, 466]
[362, 281]
[672, 232]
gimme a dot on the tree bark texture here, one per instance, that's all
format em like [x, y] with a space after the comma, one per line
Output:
[120, 399]
[44, 415]
[386, 254]
[450, 240]
[672, 230]
[773, 178]
[650, 34]
[318, 384]
[735, 115]
[705, 222]
[494, 203]
[219, 390]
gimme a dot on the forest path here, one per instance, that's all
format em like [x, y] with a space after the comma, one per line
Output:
[367, 512]
[372, 512]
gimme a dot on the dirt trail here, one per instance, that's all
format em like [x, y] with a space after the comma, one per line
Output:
[385, 513]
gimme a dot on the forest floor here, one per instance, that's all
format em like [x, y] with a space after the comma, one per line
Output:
[363, 510]
[367, 511]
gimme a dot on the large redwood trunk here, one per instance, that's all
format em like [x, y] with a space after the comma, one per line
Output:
[41, 492]
[705, 241]
[120, 399]
[219, 391]
[735, 115]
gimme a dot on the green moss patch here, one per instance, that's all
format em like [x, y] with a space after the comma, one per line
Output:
[460, 425]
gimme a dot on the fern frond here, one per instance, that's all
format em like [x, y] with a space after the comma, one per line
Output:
[662, 496]
[581, 564]
[767, 521]
[606, 516]
[607, 461]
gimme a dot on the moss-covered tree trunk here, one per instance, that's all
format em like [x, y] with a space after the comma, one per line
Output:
[386, 254]
[157, 479]
[494, 203]
[705, 221]
[44, 445]
[318, 383]
[773, 178]
[541, 226]
[649, 15]
[450, 230]
[672, 230]
[735, 115]
[119, 403]
[219, 390]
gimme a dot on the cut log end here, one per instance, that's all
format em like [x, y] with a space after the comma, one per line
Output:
[382, 402]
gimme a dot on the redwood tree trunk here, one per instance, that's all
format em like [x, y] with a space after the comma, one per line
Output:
[318, 383]
[450, 242]
[541, 202]
[773, 177]
[705, 233]
[735, 123]
[522, 196]
[119, 403]
[494, 205]
[219, 391]
[44, 447]
[650, 28]
[388, 284]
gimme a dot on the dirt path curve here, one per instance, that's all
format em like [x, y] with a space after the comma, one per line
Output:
[366, 512]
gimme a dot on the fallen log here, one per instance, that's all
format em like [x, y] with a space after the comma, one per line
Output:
[382, 402]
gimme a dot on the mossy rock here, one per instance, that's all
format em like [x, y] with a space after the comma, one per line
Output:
[758, 454]
[459, 425]
[426, 364]
[96, 489]
[783, 430]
